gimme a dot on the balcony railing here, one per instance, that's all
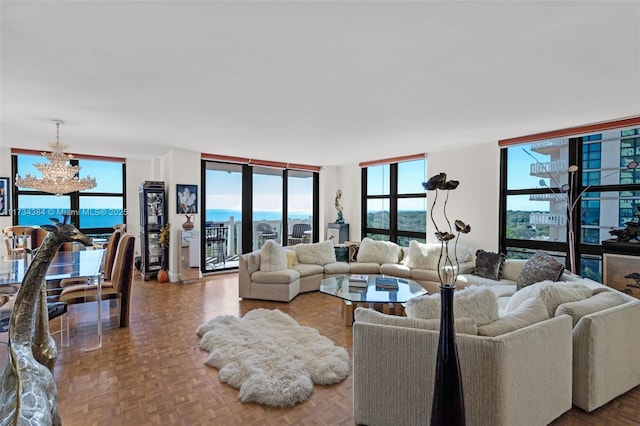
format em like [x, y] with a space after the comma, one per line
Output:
[550, 219]
[549, 144]
[553, 167]
[234, 236]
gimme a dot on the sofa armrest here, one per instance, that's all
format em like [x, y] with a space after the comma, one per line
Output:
[605, 357]
[522, 377]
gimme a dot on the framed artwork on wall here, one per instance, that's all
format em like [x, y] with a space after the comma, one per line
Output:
[187, 199]
[622, 272]
[5, 195]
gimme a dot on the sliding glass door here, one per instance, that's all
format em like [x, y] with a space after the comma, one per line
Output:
[222, 238]
[246, 205]
[267, 205]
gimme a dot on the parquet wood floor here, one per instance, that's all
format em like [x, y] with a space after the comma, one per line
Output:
[153, 373]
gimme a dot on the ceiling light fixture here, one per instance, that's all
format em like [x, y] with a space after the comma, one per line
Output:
[59, 176]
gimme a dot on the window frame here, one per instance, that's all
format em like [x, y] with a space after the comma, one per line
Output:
[393, 233]
[577, 143]
[74, 197]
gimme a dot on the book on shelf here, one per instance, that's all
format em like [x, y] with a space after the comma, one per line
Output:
[387, 282]
[358, 280]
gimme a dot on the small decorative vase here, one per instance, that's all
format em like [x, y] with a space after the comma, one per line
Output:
[448, 399]
[188, 225]
[163, 277]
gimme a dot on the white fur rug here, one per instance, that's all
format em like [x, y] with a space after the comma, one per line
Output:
[271, 358]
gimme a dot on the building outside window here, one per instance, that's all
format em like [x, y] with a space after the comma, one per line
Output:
[535, 217]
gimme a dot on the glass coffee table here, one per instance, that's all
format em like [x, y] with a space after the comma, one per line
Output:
[386, 300]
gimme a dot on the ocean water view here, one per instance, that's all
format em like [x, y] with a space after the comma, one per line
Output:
[89, 218]
[223, 215]
[106, 218]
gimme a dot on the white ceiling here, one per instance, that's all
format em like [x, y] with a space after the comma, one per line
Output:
[323, 83]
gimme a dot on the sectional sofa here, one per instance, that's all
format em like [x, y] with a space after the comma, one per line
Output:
[601, 340]
[280, 274]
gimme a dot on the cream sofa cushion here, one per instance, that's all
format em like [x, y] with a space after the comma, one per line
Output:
[272, 257]
[378, 252]
[462, 325]
[529, 312]
[595, 303]
[477, 303]
[553, 294]
[423, 256]
[316, 253]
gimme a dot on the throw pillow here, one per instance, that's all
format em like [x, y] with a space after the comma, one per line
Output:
[423, 256]
[462, 325]
[316, 253]
[272, 257]
[476, 302]
[552, 294]
[541, 267]
[378, 252]
[353, 253]
[291, 258]
[595, 303]
[530, 312]
[488, 264]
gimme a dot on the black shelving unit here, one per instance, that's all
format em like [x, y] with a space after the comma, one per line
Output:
[153, 216]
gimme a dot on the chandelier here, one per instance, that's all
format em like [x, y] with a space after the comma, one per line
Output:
[59, 176]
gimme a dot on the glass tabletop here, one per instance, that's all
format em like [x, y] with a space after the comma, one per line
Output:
[339, 286]
[65, 264]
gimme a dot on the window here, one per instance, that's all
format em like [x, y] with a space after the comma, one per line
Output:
[94, 211]
[535, 181]
[257, 203]
[394, 202]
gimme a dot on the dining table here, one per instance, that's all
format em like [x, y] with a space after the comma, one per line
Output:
[84, 264]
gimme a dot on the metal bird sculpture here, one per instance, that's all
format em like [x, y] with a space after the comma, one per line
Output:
[28, 389]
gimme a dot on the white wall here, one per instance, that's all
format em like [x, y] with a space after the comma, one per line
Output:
[5, 171]
[179, 167]
[347, 179]
[475, 201]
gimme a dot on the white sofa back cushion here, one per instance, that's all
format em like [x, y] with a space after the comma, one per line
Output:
[423, 256]
[529, 312]
[552, 293]
[462, 325]
[476, 302]
[380, 252]
[272, 257]
[316, 253]
[595, 303]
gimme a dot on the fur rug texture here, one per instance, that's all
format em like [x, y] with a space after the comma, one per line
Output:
[271, 358]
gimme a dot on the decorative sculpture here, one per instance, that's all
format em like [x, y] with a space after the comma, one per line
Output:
[448, 399]
[340, 218]
[28, 389]
[631, 231]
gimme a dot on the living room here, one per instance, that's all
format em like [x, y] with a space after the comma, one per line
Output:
[455, 118]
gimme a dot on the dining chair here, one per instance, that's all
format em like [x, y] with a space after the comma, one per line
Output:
[17, 238]
[120, 288]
